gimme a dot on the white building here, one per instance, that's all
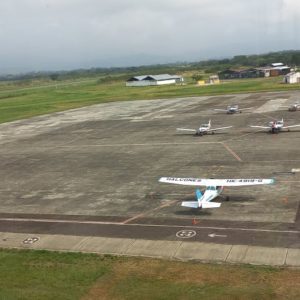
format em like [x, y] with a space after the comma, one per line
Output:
[293, 77]
[146, 80]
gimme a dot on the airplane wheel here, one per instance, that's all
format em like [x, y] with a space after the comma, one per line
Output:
[227, 198]
[212, 132]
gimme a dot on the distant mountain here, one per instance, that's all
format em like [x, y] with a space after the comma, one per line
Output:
[153, 64]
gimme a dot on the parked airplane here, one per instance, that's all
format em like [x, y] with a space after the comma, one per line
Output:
[232, 109]
[203, 129]
[293, 107]
[214, 188]
[275, 126]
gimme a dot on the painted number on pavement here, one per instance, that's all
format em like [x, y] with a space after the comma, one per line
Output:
[186, 234]
[30, 240]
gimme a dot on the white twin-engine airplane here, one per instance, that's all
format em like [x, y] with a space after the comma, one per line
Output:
[232, 109]
[203, 129]
[293, 107]
[214, 188]
[275, 126]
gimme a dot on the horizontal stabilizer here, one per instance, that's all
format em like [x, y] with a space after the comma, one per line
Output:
[210, 204]
[192, 204]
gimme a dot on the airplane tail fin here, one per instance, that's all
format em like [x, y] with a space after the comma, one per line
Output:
[209, 122]
[199, 203]
[198, 194]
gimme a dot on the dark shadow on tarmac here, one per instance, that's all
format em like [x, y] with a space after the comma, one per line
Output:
[237, 198]
[193, 212]
[199, 136]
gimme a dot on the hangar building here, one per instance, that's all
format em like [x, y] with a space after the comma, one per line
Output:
[146, 80]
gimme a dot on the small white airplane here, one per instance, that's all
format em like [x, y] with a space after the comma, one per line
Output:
[293, 107]
[203, 129]
[214, 188]
[275, 126]
[232, 109]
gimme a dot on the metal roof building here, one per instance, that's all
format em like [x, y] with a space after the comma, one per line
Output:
[293, 77]
[146, 80]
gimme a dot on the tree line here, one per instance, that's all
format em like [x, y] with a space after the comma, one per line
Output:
[289, 57]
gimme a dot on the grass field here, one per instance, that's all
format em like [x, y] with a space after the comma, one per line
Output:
[19, 102]
[52, 275]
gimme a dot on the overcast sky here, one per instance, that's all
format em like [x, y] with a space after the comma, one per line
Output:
[68, 34]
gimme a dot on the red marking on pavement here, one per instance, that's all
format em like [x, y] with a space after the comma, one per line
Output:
[147, 212]
[231, 152]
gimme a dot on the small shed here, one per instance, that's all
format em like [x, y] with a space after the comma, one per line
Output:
[293, 77]
[214, 79]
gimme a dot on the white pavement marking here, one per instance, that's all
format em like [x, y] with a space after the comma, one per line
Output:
[150, 225]
[212, 235]
[186, 234]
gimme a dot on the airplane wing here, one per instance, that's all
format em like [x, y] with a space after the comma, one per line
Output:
[220, 128]
[291, 126]
[261, 127]
[219, 109]
[186, 129]
[246, 108]
[215, 182]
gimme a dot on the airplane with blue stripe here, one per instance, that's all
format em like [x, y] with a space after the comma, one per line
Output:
[214, 188]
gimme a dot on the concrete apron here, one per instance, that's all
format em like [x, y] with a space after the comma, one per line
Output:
[178, 250]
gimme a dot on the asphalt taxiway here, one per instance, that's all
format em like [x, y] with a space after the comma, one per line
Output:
[94, 172]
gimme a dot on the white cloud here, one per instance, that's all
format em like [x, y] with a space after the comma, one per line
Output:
[58, 34]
